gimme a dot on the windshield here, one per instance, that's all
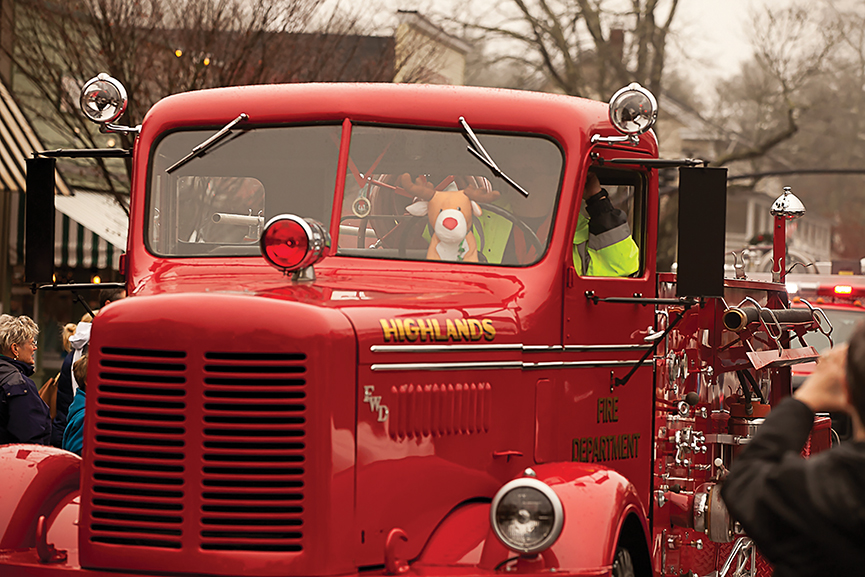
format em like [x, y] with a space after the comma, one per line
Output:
[410, 194]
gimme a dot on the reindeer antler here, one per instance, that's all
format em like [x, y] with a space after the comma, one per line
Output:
[481, 194]
[419, 188]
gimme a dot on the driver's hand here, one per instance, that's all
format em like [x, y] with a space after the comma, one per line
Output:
[593, 186]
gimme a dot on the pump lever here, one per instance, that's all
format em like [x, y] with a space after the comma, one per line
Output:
[739, 264]
[802, 264]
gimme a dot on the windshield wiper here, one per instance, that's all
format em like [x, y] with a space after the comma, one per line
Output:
[204, 146]
[477, 149]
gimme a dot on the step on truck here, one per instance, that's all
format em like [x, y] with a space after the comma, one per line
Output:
[374, 330]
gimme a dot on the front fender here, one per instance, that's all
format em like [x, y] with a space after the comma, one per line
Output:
[597, 502]
[35, 481]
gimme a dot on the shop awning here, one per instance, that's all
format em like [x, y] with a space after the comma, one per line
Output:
[17, 143]
[89, 231]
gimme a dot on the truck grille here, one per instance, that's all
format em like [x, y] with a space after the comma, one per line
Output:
[139, 450]
[215, 444]
[254, 416]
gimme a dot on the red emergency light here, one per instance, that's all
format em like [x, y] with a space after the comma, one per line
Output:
[291, 243]
[844, 293]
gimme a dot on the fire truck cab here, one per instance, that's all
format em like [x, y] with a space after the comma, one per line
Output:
[360, 340]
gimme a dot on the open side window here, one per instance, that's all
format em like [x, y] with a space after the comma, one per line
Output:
[610, 237]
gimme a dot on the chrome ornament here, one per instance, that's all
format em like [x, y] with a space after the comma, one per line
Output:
[788, 205]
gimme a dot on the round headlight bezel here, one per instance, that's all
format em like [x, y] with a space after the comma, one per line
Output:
[547, 492]
[106, 92]
[649, 110]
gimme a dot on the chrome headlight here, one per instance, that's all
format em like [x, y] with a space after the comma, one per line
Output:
[633, 109]
[527, 515]
[103, 99]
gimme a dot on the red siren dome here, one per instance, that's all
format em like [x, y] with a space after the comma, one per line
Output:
[291, 243]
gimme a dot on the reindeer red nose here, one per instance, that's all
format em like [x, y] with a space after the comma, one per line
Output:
[449, 223]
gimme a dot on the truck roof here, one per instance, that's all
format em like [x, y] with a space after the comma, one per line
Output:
[432, 105]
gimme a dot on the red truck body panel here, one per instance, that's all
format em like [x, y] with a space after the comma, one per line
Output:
[242, 422]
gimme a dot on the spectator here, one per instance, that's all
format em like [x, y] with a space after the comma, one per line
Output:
[64, 393]
[24, 416]
[107, 296]
[77, 345]
[73, 436]
[807, 516]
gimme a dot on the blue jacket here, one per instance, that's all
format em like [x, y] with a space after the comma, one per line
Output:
[24, 416]
[73, 436]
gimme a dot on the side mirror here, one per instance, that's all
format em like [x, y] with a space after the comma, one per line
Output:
[39, 221]
[702, 224]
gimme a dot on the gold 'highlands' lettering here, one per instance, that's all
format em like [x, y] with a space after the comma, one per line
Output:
[431, 330]
[606, 448]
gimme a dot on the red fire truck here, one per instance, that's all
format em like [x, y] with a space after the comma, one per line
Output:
[299, 385]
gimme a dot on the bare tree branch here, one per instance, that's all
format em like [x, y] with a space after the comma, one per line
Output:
[160, 47]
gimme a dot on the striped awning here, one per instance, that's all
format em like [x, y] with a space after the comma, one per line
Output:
[76, 243]
[17, 143]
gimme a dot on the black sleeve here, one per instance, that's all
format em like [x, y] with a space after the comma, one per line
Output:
[64, 399]
[773, 492]
[603, 216]
[64, 386]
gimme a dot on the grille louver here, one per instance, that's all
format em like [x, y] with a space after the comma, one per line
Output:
[254, 441]
[137, 481]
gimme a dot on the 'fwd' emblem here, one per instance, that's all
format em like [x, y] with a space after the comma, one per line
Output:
[375, 403]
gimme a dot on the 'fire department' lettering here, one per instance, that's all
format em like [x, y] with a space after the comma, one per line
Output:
[401, 330]
[608, 409]
[606, 448]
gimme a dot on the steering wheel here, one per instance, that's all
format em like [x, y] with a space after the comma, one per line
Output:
[409, 226]
[529, 234]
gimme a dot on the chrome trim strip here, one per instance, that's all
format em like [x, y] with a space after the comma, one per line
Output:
[542, 348]
[446, 366]
[444, 348]
[596, 348]
[506, 348]
[585, 364]
[503, 365]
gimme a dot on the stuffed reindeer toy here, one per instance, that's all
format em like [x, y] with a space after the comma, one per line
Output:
[450, 214]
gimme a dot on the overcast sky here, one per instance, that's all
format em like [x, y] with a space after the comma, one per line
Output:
[711, 35]
[714, 34]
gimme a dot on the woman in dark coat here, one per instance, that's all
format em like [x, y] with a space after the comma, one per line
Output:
[24, 416]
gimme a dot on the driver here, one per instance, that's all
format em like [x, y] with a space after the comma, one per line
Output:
[603, 245]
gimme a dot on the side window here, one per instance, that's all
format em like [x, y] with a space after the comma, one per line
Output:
[610, 231]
